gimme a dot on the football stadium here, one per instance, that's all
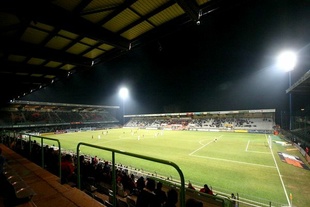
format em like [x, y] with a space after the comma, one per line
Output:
[162, 103]
[239, 153]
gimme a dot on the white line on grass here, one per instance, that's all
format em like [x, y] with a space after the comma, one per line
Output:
[226, 160]
[113, 140]
[247, 147]
[259, 152]
[212, 158]
[203, 145]
[200, 147]
[123, 137]
[275, 162]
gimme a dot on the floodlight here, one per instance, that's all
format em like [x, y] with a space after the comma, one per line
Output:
[123, 92]
[287, 61]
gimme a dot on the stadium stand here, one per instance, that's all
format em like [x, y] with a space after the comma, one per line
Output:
[41, 185]
[40, 117]
[251, 120]
[96, 179]
[96, 186]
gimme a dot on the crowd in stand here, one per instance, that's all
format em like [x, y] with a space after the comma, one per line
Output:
[204, 123]
[97, 173]
[9, 118]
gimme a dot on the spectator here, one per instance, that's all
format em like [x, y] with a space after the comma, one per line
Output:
[67, 169]
[140, 184]
[172, 198]
[3, 181]
[120, 189]
[95, 161]
[2, 161]
[147, 197]
[190, 186]
[106, 168]
[160, 194]
[206, 190]
[131, 184]
[234, 200]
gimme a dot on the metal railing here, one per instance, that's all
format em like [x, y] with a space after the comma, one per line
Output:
[42, 149]
[114, 152]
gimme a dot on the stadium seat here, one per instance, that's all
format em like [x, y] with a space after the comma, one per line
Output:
[103, 189]
[121, 203]
[131, 202]
[89, 193]
[108, 204]
[100, 200]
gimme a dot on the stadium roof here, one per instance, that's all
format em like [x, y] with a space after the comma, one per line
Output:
[45, 41]
[302, 85]
[35, 105]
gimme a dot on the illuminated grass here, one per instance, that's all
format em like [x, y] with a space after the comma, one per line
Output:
[236, 163]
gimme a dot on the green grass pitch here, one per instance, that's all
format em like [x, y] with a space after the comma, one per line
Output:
[239, 163]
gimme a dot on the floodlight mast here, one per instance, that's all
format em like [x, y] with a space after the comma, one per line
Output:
[287, 61]
[123, 93]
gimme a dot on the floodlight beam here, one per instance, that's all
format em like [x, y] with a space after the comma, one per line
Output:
[123, 93]
[287, 61]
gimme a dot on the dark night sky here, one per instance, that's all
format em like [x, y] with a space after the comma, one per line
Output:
[225, 63]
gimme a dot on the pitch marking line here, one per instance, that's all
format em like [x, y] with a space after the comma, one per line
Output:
[226, 160]
[200, 147]
[247, 147]
[203, 145]
[280, 176]
[102, 141]
[123, 137]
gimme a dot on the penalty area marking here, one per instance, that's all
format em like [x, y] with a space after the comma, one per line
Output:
[203, 145]
[226, 160]
[234, 161]
[247, 147]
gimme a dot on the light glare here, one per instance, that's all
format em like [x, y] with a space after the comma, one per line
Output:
[287, 61]
[123, 92]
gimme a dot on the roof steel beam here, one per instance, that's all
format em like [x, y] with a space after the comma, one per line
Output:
[50, 14]
[31, 50]
[191, 9]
